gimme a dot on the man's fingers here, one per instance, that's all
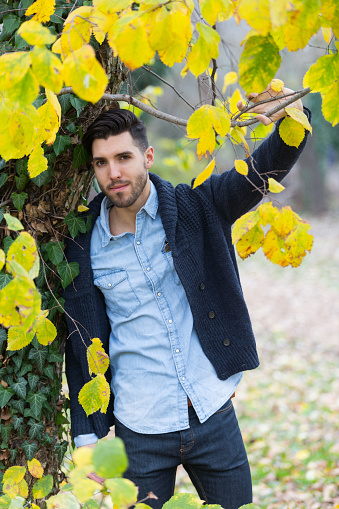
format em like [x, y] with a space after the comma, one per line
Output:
[94, 477]
[264, 120]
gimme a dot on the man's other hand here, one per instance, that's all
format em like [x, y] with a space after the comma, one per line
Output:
[261, 109]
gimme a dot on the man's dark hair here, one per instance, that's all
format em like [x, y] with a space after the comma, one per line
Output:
[113, 122]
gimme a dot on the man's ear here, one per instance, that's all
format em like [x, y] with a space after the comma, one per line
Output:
[149, 157]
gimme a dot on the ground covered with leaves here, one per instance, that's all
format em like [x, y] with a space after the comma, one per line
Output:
[288, 408]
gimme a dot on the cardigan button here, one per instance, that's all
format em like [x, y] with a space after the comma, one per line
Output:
[226, 342]
[211, 314]
[202, 286]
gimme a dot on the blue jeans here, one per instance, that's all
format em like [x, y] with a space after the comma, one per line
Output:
[212, 453]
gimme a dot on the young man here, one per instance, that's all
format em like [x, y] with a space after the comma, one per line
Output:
[159, 286]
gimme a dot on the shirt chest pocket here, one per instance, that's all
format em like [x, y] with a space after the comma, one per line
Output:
[119, 294]
[166, 252]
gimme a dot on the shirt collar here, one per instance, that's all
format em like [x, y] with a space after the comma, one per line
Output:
[150, 207]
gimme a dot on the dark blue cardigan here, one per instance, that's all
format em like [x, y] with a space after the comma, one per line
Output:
[197, 224]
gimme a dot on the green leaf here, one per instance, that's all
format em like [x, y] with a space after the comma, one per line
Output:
[5, 395]
[19, 199]
[180, 500]
[54, 357]
[19, 42]
[80, 156]
[38, 357]
[43, 487]
[21, 430]
[49, 371]
[47, 439]
[123, 492]
[17, 361]
[30, 449]
[90, 504]
[43, 178]
[67, 272]
[55, 252]
[3, 337]
[75, 224]
[17, 421]
[109, 458]
[32, 381]
[6, 432]
[61, 449]
[25, 369]
[21, 182]
[13, 223]
[18, 404]
[78, 104]
[71, 128]
[61, 143]
[36, 400]
[258, 64]
[65, 103]
[3, 178]
[8, 241]
[35, 429]
[11, 23]
[5, 501]
[63, 499]
[20, 388]
[4, 279]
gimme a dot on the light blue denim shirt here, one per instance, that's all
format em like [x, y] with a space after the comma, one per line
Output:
[156, 358]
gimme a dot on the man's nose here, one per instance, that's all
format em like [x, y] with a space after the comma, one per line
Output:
[114, 170]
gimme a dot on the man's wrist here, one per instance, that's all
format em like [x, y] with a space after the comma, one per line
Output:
[88, 439]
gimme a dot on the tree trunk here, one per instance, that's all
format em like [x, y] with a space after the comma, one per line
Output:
[32, 432]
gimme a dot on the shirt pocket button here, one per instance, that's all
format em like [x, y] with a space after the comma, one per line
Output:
[226, 342]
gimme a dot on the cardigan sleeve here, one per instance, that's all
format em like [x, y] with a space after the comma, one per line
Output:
[233, 195]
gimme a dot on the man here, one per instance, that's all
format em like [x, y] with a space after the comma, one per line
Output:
[159, 286]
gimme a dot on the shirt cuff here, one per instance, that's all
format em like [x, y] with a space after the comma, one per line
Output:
[88, 439]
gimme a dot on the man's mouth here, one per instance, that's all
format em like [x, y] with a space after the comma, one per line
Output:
[118, 187]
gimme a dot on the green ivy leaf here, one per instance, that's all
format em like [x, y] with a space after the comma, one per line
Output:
[8, 241]
[20, 388]
[25, 369]
[21, 182]
[19, 405]
[71, 128]
[35, 429]
[11, 23]
[55, 252]
[19, 200]
[5, 395]
[21, 430]
[38, 357]
[43, 178]
[54, 357]
[17, 421]
[32, 381]
[75, 224]
[61, 143]
[80, 156]
[67, 272]
[65, 103]
[30, 449]
[49, 371]
[78, 104]
[3, 337]
[17, 361]
[47, 439]
[3, 178]
[60, 449]
[6, 432]
[36, 400]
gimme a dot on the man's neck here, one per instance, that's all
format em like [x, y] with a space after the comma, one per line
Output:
[122, 220]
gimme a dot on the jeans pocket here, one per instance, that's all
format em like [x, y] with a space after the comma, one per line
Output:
[225, 407]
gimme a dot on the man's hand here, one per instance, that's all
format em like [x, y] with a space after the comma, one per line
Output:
[261, 109]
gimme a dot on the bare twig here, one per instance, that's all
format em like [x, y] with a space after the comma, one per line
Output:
[169, 85]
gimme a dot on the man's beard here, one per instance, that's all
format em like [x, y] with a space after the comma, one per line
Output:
[136, 190]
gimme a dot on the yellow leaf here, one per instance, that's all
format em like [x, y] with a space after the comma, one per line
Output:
[23, 488]
[291, 132]
[43, 487]
[237, 136]
[129, 40]
[327, 34]
[101, 24]
[257, 14]
[2, 258]
[85, 75]
[330, 104]
[202, 124]
[19, 337]
[36, 34]
[206, 48]
[52, 98]
[98, 360]
[299, 116]
[18, 129]
[303, 21]
[77, 30]
[253, 75]
[233, 101]
[95, 395]
[10, 489]
[241, 167]
[84, 489]
[274, 186]
[261, 131]
[82, 208]
[20, 302]
[278, 12]
[250, 242]
[216, 10]
[42, 10]
[23, 251]
[47, 69]
[35, 468]
[229, 79]
[49, 122]
[109, 7]
[82, 456]
[171, 32]
[37, 162]
[244, 224]
[45, 330]
[277, 85]
[205, 174]
[14, 475]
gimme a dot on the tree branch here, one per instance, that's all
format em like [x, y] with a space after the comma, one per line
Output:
[180, 121]
[169, 85]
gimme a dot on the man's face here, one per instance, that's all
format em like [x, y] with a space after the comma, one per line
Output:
[121, 169]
